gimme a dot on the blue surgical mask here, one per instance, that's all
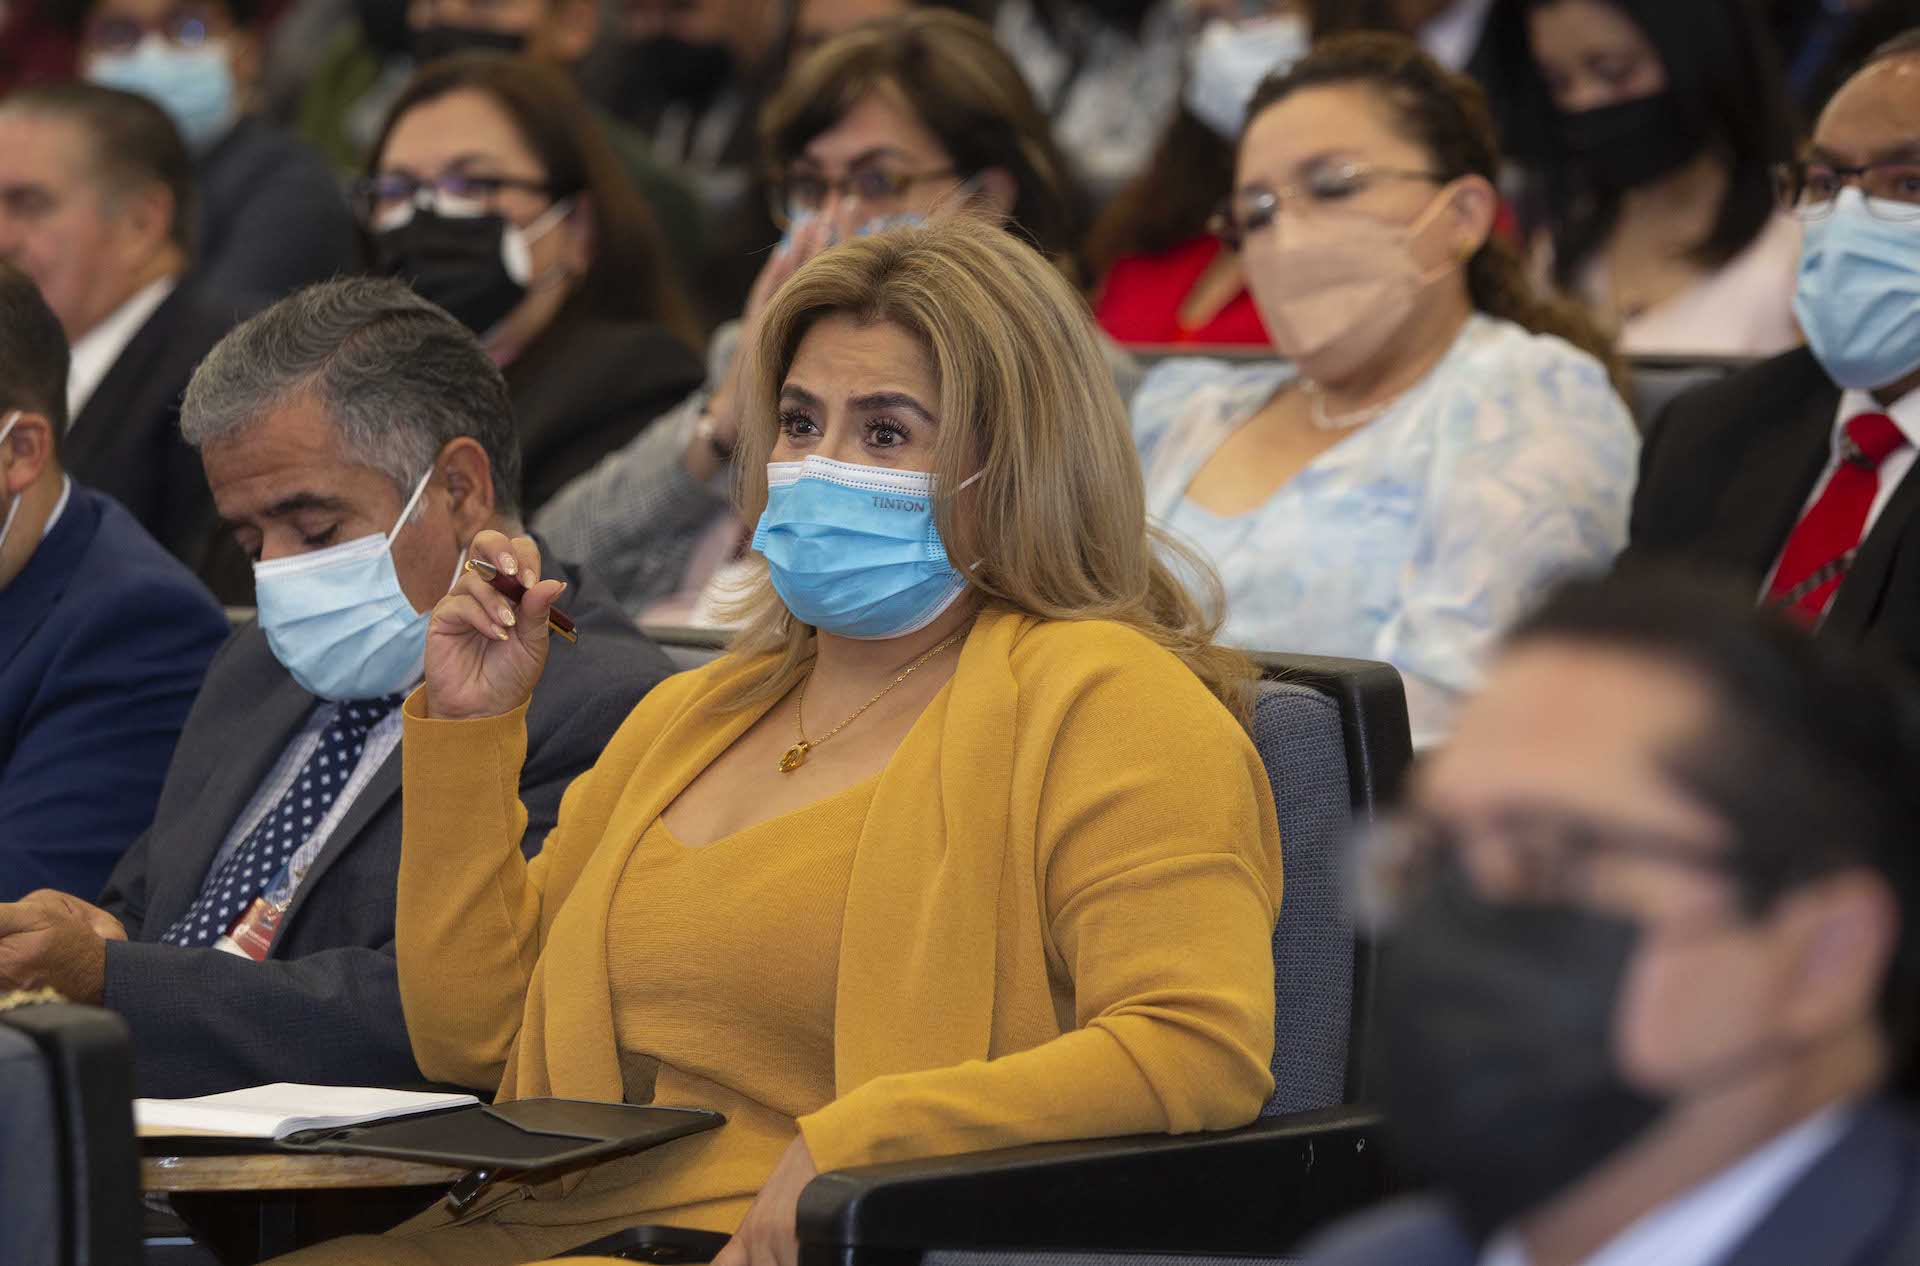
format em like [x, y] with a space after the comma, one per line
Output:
[853, 550]
[193, 85]
[338, 620]
[1858, 298]
[1228, 61]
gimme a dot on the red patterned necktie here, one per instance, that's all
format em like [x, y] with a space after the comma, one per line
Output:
[1823, 543]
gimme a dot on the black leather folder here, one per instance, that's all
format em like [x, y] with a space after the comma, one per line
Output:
[525, 1139]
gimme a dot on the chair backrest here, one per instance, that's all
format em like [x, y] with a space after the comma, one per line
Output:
[1334, 738]
[1658, 379]
[69, 1168]
[687, 646]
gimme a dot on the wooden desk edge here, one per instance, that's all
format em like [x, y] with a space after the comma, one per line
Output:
[284, 1172]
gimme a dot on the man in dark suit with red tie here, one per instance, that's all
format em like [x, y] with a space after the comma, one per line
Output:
[1792, 475]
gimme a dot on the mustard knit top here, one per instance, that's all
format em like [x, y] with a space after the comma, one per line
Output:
[1048, 917]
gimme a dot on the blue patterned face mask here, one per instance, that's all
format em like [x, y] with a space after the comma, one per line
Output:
[1858, 297]
[853, 550]
[338, 620]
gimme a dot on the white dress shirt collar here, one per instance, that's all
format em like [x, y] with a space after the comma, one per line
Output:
[95, 351]
[1706, 1224]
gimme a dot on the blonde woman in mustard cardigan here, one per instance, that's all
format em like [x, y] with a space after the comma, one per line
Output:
[964, 845]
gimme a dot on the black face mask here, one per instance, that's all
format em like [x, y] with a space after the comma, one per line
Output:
[1634, 143]
[664, 69]
[1496, 1050]
[458, 262]
[435, 42]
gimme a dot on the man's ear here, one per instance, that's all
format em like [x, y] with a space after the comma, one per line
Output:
[468, 474]
[26, 453]
[146, 222]
[246, 57]
[1844, 931]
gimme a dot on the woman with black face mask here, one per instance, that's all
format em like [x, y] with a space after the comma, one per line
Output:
[494, 193]
[1651, 134]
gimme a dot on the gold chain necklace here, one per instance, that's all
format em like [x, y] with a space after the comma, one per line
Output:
[797, 754]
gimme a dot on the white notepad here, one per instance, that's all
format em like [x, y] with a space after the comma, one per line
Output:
[273, 1112]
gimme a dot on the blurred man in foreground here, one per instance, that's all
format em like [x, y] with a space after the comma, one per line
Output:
[1649, 952]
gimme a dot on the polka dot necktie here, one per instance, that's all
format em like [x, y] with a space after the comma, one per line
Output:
[288, 825]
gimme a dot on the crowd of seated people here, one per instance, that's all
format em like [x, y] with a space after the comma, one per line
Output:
[993, 383]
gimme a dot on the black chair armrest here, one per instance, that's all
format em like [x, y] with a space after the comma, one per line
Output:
[1253, 1191]
[89, 1053]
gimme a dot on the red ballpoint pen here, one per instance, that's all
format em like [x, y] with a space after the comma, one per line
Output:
[512, 590]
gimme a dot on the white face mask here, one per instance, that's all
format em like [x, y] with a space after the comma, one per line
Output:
[1228, 61]
[6, 524]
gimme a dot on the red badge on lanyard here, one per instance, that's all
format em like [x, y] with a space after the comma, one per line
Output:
[253, 932]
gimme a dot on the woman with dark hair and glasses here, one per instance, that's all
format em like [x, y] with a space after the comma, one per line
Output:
[493, 191]
[894, 122]
[1439, 443]
[1655, 125]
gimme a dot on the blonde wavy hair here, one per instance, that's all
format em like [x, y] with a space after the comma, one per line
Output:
[1058, 516]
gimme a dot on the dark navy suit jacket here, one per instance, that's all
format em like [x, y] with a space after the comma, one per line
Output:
[104, 640]
[1858, 1206]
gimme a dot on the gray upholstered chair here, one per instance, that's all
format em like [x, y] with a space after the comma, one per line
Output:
[1658, 379]
[69, 1173]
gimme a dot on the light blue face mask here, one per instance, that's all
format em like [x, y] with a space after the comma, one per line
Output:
[879, 224]
[1858, 298]
[193, 85]
[338, 620]
[853, 550]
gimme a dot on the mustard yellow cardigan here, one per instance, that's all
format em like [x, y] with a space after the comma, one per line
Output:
[1084, 812]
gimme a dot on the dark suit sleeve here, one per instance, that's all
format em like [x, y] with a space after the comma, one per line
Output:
[82, 781]
[205, 1021]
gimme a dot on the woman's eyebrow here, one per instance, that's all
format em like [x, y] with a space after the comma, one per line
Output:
[877, 400]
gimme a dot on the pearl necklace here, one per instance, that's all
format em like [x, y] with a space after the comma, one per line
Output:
[1324, 421]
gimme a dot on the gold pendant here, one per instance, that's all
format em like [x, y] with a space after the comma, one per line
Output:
[796, 756]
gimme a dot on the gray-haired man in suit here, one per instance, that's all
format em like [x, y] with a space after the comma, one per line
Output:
[356, 439]
[1650, 927]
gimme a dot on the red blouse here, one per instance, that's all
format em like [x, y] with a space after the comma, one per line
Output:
[1140, 303]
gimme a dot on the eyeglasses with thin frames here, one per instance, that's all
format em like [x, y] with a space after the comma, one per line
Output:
[796, 192]
[1547, 858]
[1318, 190]
[379, 195]
[1810, 190]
